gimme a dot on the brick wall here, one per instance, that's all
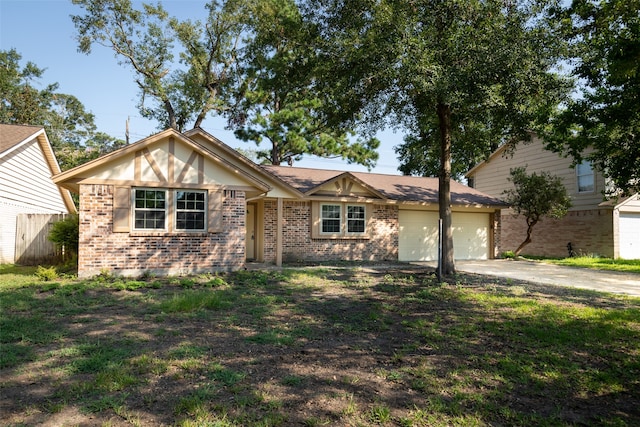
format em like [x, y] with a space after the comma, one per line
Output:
[589, 231]
[299, 246]
[136, 253]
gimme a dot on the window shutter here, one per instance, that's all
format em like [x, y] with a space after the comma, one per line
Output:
[215, 211]
[121, 209]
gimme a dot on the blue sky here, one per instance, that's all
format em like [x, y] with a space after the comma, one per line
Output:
[42, 32]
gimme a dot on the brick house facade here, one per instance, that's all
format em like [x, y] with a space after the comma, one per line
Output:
[132, 253]
[299, 245]
[174, 204]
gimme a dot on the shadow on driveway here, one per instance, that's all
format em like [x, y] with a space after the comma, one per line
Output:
[549, 274]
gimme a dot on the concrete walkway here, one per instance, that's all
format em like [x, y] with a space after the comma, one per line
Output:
[549, 274]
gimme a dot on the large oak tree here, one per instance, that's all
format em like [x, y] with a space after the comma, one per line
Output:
[459, 75]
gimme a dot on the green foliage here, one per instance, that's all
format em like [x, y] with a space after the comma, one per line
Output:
[277, 102]
[183, 90]
[46, 274]
[603, 124]
[65, 233]
[536, 196]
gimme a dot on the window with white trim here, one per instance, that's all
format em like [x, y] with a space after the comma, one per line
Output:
[191, 210]
[150, 209]
[340, 220]
[331, 217]
[584, 173]
[356, 219]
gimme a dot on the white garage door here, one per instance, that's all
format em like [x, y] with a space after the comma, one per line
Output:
[629, 228]
[418, 237]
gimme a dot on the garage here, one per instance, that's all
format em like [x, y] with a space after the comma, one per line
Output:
[629, 232]
[418, 235]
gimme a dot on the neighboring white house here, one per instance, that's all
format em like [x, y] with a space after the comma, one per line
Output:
[27, 163]
[592, 226]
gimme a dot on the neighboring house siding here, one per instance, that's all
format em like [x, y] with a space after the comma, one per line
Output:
[25, 178]
[298, 244]
[25, 187]
[137, 253]
[589, 228]
[493, 177]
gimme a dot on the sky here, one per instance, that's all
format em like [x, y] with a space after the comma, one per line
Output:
[42, 32]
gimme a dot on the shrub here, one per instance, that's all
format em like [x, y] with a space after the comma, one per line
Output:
[65, 233]
[46, 274]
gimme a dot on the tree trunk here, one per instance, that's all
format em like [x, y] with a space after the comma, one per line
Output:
[528, 239]
[173, 123]
[444, 190]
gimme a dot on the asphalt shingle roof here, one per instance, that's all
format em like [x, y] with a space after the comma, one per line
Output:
[11, 135]
[394, 187]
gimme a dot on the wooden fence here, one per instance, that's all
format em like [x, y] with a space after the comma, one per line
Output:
[33, 246]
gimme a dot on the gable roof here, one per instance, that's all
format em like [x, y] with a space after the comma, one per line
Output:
[241, 159]
[12, 137]
[399, 188]
[69, 178]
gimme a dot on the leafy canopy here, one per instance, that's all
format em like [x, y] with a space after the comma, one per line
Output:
[460, 77]
[175, 92]
[276, 98]
[603, 123]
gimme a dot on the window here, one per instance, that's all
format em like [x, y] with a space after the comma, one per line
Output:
[331, 216]
[355, 219]
[190, 210]
[150, 209]
[585, 177]
[340, 221]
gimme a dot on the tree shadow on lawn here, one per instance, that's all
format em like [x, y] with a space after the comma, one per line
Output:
[331, 346]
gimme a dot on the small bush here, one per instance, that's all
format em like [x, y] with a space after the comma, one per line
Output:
[65, 233]
[509, 255]
[46, 274]
[215, 282]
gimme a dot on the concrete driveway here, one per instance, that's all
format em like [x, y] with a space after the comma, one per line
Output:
[546, 274]
[549, 274]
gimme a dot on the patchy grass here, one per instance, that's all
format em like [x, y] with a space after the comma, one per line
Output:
[346, 346]
[596, 263]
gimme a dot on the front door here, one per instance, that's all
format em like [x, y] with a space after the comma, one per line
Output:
[251, 232]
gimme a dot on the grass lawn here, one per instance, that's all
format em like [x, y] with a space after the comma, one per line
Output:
[624, 265]
[315, 346]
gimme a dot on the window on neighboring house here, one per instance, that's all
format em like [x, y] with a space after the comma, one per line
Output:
[191, 210]
[584, 173]
[331, 216]
[355, 219]
[150, 209]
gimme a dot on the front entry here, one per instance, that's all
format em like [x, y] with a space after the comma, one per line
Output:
[251, 232]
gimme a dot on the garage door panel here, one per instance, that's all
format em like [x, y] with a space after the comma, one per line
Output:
[629, 229]
[418, 237]
[470, 235]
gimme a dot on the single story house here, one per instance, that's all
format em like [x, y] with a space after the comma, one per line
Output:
[178, 203]
[593, 225]
[27, 163]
